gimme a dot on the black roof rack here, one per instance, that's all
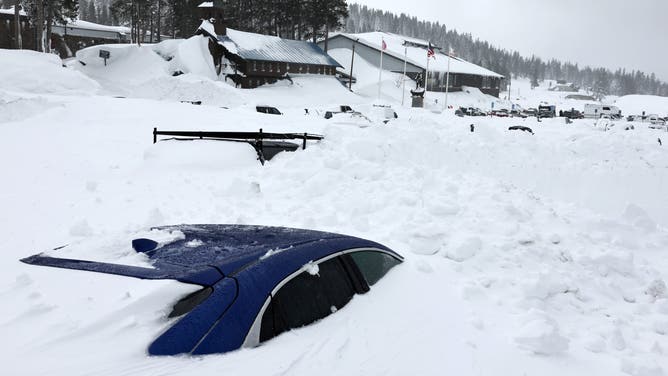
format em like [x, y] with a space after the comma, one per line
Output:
[264, 143]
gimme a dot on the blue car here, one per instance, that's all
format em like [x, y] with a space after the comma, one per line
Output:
[257, 282]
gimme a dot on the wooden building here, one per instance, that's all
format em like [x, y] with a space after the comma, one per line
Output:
[8, 30]
[402, 51]
[251, 60]
[66, 39]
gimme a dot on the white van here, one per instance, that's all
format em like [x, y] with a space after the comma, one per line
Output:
[596, 111]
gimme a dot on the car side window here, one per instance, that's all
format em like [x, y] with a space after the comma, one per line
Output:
[373, 265]
[307, 298]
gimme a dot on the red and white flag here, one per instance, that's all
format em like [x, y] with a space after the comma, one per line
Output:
[430, 52]
[384, 45]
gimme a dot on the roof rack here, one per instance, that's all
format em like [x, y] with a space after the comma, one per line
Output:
[265, 149]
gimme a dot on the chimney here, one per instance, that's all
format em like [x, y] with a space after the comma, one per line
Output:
[213, 12]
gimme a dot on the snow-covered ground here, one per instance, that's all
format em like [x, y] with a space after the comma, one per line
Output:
[526, 254]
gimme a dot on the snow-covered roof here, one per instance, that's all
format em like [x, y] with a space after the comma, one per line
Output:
[206, 4]
[251, 46]
[10, 10]
[80, 24]
[417, 55]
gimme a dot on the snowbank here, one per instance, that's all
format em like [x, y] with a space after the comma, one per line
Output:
[174, 70]
[636, 104]
[537, 254]
[34, 72]
[127, 65]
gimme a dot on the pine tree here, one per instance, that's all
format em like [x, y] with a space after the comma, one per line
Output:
[91, 12]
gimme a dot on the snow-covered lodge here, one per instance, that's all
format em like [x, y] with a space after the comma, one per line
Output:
[65, 39]
[400, 49]
[252, 60]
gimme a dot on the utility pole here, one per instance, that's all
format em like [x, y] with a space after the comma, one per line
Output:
[510, 86]
[447, 81]
[403, 79]
[352, 62]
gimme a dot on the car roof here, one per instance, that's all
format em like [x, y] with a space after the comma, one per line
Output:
[209, 252]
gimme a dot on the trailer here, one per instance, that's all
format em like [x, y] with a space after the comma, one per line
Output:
[597, 111]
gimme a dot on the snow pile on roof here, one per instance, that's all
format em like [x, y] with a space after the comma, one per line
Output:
[636, 104]
[132, 63]
[10, 10]
[193, 56]
[207, 27]
[128, 64]
[19, 68]
[251, 46]
[147, 71]
[417, 55]
[81, 24]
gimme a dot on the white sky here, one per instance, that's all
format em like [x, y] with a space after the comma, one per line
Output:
[631, 34]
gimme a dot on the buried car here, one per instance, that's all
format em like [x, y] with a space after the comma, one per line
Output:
[256, 282]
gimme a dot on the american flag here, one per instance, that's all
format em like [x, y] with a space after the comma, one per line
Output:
[430, 52]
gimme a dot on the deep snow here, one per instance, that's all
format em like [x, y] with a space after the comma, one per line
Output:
[536, 255]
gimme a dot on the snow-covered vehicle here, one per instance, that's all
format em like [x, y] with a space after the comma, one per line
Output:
[343, 109]
[472, 111]
[530, 112]
[656, 120]
[500, 113]
[547, 111]
[253, 282]
[518, 113]
[571, 114]
[636, 118]
[596, 111]
[268, 110]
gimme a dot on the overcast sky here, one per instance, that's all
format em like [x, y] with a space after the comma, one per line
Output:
[631, 34]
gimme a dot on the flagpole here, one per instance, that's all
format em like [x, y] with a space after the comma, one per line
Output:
[380, 71]
[447, 80]
[403, 86]
[426, 76]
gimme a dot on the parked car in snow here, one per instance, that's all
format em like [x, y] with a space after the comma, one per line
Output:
[656, 120]
[547, 111]
[343, 109]
[520, 128]
[500, 113]
[255, 282]
[530, 112]
[268, 110]
[472, 111]
[571, 114]
[518, 113]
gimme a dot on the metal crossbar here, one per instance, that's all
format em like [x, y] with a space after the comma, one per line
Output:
[254, 138]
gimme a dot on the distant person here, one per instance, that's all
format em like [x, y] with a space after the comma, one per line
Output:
[472, 128]
[660, 143]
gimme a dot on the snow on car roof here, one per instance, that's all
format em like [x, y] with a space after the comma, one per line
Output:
[251, 46]
[418, 55]
[206, 253]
